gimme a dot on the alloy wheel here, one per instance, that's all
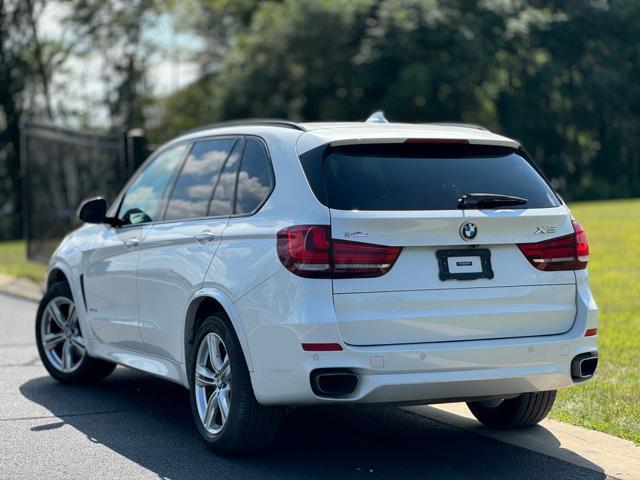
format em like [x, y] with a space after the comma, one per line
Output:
[61, 336]
[212, 383]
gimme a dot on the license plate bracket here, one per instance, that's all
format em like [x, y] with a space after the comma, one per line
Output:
[464, 264]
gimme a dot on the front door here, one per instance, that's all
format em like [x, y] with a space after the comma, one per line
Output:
[110, 279]
[110, 286]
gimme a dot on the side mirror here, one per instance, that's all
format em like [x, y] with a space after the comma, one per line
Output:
[93, 210]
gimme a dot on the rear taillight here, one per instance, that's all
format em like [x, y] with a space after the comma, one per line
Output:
[305, 250]
[309, 251]
[570, 252]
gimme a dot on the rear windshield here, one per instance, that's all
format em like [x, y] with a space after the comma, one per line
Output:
[422, 177]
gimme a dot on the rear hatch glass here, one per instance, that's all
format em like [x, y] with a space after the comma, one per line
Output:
[428, 177]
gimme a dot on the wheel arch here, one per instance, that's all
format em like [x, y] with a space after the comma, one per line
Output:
[56, 275]
[206, 302]
[60, 271]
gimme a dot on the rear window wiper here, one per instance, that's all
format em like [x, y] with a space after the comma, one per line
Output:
[489, 200]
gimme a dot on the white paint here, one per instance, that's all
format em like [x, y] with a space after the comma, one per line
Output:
[515, 333]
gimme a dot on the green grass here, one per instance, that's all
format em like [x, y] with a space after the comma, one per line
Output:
[611, 402]
[13, 261]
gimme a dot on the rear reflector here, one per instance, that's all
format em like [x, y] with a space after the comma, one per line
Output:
[591, 332]
[309, 251]
[322, 347]
[570, 252]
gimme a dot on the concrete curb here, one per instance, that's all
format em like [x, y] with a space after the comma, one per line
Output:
[21, 287]
[586, 448]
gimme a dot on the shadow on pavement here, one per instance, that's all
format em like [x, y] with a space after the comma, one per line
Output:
[148, 421]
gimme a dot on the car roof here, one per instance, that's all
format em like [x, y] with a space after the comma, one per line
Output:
[314, 134]
[364, 132]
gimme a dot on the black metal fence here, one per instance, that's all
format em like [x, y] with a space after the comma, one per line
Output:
[61, 167]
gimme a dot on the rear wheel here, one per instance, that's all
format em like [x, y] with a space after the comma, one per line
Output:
[60, 340]
[523, 411]
[227, 414]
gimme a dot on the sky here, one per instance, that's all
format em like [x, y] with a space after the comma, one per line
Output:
[79, 84]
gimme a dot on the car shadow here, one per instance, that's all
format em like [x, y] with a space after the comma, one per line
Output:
[148, 421]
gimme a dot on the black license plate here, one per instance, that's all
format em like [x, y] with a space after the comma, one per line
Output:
[464, 264]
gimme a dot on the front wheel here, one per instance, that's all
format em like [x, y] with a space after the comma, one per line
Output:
[523, 411]
[60, 340]
[227, 414]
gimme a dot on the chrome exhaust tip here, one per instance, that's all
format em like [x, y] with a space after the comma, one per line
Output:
[333, 382]
[584, 366]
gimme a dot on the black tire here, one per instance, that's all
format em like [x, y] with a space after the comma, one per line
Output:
[89, 370]
[525, 410]
[249, 426]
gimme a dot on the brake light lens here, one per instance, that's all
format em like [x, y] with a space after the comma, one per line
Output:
[570, 252]
[305, 250]
[442, 141]
[309, 251]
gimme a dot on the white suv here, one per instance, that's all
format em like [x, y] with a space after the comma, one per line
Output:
[267, 264]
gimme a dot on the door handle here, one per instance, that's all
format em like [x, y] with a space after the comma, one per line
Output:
[132, 243]
[205, 236]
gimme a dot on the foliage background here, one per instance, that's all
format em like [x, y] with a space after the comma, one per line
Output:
[561, 76]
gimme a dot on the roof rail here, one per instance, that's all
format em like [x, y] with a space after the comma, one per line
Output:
[464, 125]
[248, 122]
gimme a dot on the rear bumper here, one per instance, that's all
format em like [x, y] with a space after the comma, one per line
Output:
[412, 373]
[430, 373]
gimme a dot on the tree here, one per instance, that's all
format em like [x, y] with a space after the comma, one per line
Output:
[115, 30]
[23, 67]
[561, 76]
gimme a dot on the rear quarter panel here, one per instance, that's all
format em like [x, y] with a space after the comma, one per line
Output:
[247, 255]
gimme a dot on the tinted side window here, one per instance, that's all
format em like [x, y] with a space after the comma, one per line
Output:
[143, 200]
[224, 193]
[254, 178]
[194, 187]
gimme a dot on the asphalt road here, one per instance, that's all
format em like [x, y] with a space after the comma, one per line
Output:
[136, 426]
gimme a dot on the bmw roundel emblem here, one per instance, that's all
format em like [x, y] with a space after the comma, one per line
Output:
[468, 231]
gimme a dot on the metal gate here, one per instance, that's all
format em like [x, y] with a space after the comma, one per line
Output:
[60, 168]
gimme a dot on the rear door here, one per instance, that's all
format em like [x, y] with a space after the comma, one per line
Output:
[460, 274]
[177, 251]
